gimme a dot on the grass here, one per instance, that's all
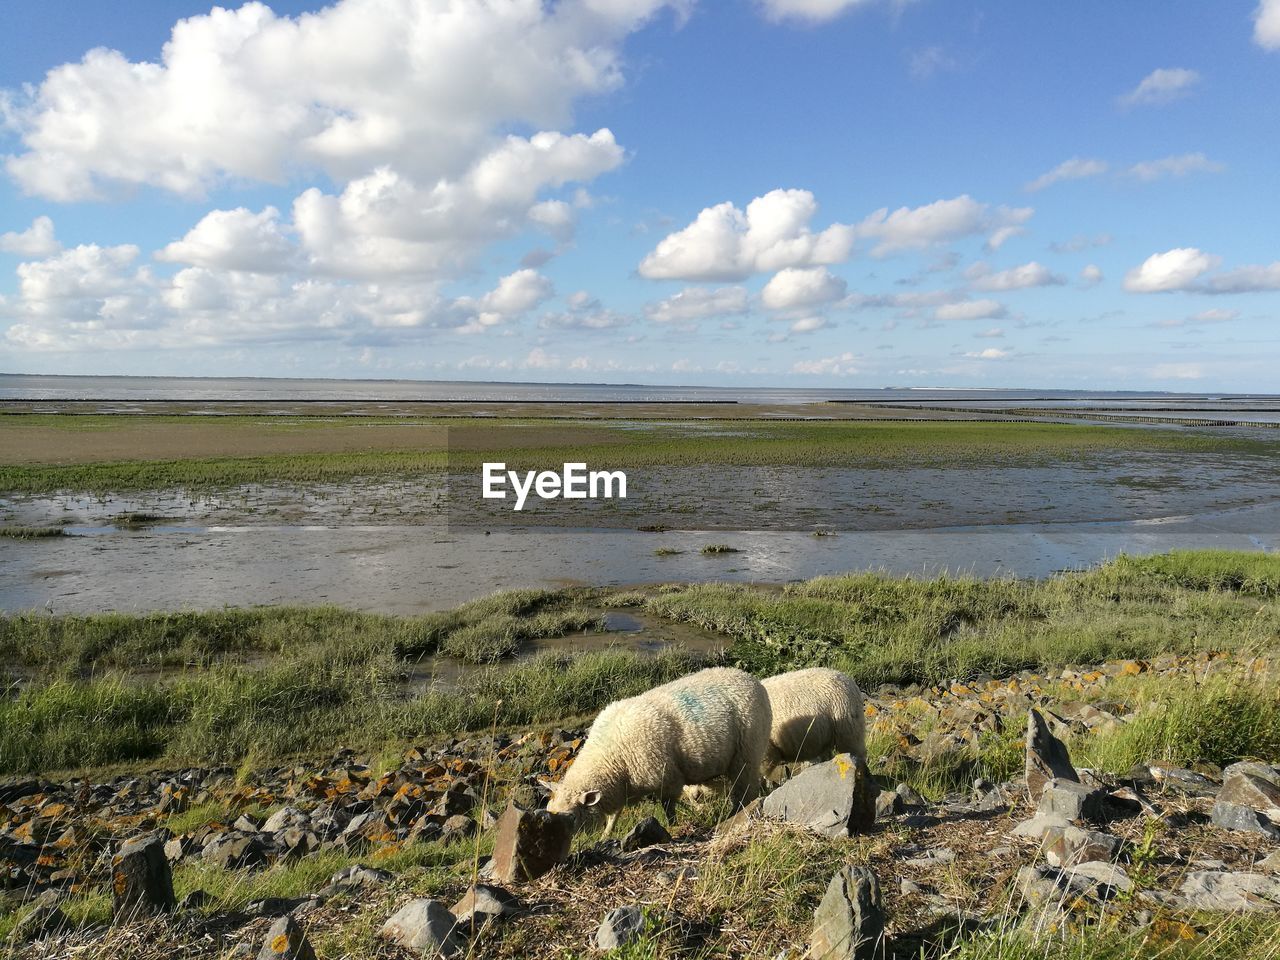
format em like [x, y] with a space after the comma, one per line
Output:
[31, 533]
[534, 444]
[714, 549]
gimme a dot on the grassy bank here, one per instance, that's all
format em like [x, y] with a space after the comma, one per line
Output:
[307, 451]
[223, 685]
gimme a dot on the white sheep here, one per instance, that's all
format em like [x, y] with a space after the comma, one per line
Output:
[708, 725]
[816, 713]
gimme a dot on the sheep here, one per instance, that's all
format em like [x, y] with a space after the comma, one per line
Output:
[816, 713]
[708, 725]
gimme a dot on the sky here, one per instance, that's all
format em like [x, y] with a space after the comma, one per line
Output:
[854, 193]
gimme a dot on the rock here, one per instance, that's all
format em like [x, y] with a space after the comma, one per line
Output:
[286, 941]
[646, 833]
[1038, 886]
[1252, 785]
[358, 876]
[247, 824]
[932, 858]
[741, 821]
[619, 927]
[483, 904]
[835, 799]
[44, 920]
[194, 900]
[1270, 863]
[283, 818]
[236, 851]
[141, 882]
[176, 849]
[1109, 876]
[457, 827]
[1236, 816]
[909, 797]
[849, 922]
[425, 927]
[1180, 780]
[1039, 825]
[1070, 845]
[1047, 757]
[889, 804]
[529, 843]
[1074, 801]
[1213, 890]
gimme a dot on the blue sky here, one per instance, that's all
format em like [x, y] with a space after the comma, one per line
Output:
[802, 192]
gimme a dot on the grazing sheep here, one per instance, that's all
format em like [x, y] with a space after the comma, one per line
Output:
[710, 724]
[816, 713]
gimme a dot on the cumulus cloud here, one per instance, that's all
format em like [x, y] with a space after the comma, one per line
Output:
[1180, 165]
[1161, 86]
[585, 313]
[725, 243]
[1252, 279]
[1091, 275]
[970, 310]
[698, 303]
[248, 95]
[1176, 269]
[940, 222]
[1023, 277]
[994, 333]
[515, 295]
[802, 287]
[235, 240]
[991, 353]
[808, 324]
[36, 241]
[809, 11]
[1266, 24]
[1077, 168]
[842, 365]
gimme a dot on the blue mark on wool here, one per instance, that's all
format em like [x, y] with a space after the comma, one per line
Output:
[691, 706]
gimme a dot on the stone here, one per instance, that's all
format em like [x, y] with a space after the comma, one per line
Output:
[620, 926]
[1183, 781]
[1038, 886]
[1039, 825]
[931, 858]
[835, 799]
[284, 817]
[43, 920]
[485, 903]
[457, 827]
[889, 804]
[647, 833]
[176, 848]
[1047, 756]
[425, 927]
[849, 922]
[1071, 845]
[286, 941]
[1214, 890]
[741, 821]
[1238, 817]
[236, 851]
[1111, 877]
[529, 843]
[194, 900]
[358, 876]
[909, 797]
[1251, 785]
[141, 881]
[1074, 801]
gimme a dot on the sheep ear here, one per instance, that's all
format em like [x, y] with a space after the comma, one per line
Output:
[591, 798]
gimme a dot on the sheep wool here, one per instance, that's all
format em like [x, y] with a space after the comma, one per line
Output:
[816, 713]
[708, 725]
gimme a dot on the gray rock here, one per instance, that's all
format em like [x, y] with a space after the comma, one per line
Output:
[889, 804]
[909, 797]
[1181, 780]
[835, 799]
[1071, 845]
[646, 833]
[1038, 886]
[358, 876]
[426, 927]
[483, 904]
[1213, 890]
[849, 922]
[285, 817]
[619, 927]
[1235, 816]
[1047, 756]
[932, 858]
[286, 941]
[45, 919]
[1270, 863]
[1074, 801]
[1252, 785]
[1110, 877]
[457, 827]
[141, 881]
[529, 843]
[236, 851]
[1038, 826]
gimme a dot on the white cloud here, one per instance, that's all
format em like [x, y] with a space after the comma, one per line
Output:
[809, 11]
[940, 222]
[970, 310]
[1266, 24]
[36, 241]
[515, 295]
[234, 240]
[1023, 277]
[585, 313]
[1161, 86]
[1177, 371]
[843, 365]
[995, 333]
[698, 303]
[1080, 242]
[245, 94]
[1180, 165]
[802, 287]
[1091, 275]
[1077, 168]
[1201, 318]
[725, 243]
[1175, 269]
[1252, 279]
[808, 324]
[991, 353]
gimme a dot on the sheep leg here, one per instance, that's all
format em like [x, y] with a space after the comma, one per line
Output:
[608, 825]
[744, 781]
